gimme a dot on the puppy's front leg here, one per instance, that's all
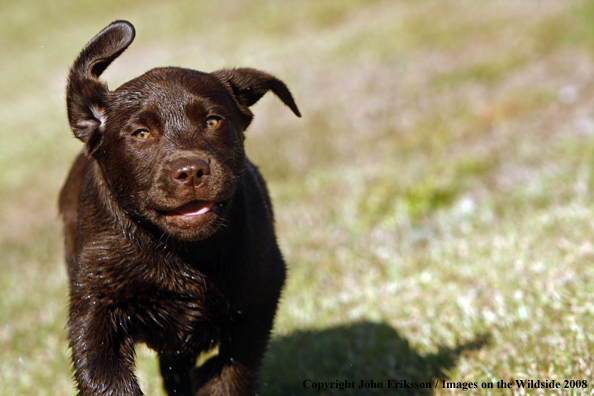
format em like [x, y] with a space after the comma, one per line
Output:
[235, 370]
[102, 350]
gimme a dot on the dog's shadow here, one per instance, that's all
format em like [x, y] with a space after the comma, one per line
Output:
[362, 351]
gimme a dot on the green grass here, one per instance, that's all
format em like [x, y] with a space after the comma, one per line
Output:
[434, 203]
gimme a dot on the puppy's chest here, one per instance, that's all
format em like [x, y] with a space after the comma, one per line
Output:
[179, 312]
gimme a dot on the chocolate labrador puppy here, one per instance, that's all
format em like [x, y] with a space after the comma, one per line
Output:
[168, 226]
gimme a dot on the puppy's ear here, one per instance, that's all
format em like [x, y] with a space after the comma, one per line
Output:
[249, 85]
[86, 95]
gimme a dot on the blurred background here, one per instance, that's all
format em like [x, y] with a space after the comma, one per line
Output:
[434, 203]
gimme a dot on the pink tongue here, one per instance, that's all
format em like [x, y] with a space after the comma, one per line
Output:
[194, 208]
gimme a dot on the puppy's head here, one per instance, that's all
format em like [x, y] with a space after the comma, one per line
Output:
[170, 142]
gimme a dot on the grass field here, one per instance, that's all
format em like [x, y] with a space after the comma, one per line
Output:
[434, 203]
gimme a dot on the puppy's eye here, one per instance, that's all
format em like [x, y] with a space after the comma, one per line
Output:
[212, 122]
[142, 134]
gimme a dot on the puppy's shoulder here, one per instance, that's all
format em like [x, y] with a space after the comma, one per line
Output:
[256, 187]
[70, 193]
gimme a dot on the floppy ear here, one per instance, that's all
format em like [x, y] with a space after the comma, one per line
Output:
[249, 85]
[86, 95]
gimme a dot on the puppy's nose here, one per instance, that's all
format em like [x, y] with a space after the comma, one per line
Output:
[190, 172]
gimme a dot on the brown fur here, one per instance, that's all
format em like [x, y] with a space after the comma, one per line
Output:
[168, 226]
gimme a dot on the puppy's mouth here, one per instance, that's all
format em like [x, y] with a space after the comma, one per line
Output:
[192, 215]
[194, 208]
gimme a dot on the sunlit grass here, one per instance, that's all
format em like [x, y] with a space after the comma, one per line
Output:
[433, 203]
